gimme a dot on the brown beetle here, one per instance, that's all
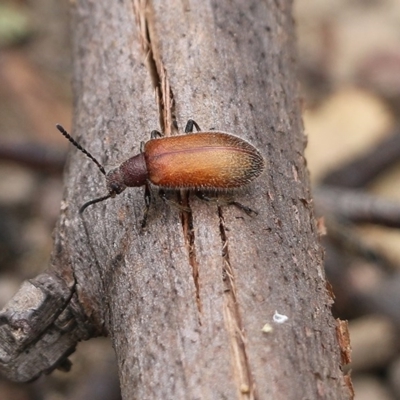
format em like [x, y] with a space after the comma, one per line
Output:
[197, 161]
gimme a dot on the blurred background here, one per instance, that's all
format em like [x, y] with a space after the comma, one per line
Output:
[349, 71]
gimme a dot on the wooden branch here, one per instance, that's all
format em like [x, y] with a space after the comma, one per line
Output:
[357, 206]
[362, 170]
[186, 300]
[40, 327]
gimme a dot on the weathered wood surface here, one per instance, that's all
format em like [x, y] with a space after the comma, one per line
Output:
[186, 300]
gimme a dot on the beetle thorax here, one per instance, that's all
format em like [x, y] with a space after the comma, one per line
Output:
[134, 171]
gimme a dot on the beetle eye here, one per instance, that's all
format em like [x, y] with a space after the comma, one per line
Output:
[116, 188]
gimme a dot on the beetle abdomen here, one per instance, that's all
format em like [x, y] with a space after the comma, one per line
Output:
[210, 160]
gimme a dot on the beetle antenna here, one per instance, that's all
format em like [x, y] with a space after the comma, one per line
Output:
[83, 150]
[89, 203]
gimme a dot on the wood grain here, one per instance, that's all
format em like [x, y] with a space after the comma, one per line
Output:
[185, 301]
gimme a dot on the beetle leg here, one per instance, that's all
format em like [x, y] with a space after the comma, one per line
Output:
[226, 202]
[147, 203]
[142, 147]
[242, 207]
[189, 126]
[202, 196]
[155, 134]
[163, 195]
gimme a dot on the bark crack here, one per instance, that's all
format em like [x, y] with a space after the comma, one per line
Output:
[144, 13]
[188, 231]
[233, 322]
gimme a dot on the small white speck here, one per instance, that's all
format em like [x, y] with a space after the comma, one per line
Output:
[320, 272]
[267, 328]
[279, 318]
[64, 205]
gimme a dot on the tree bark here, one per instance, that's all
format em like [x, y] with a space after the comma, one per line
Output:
[185, 301]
